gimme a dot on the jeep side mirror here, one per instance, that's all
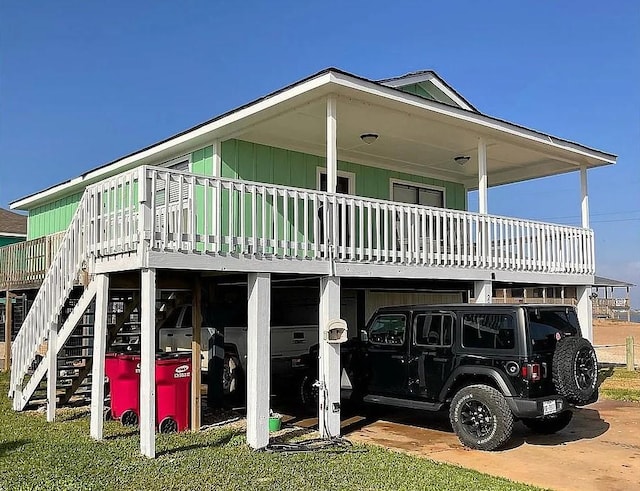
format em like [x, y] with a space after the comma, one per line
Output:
[364, 336]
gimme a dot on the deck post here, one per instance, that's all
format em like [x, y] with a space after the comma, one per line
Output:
[585, 315]
[52, 371]
[148, 363]
[258, 359]
[8, 325]
[99, 350]
[332, 146]
[482, 291]
[585, 197]
[196, 363]
[482, 176]
[329, 361]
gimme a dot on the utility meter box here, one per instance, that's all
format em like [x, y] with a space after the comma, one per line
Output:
[336, 331]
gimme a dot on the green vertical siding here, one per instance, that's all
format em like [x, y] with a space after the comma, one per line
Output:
[52, 217]
[254, 162]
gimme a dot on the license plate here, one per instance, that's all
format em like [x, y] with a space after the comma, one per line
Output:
[549, 407]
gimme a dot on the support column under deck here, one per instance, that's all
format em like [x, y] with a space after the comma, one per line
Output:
[52, 371]
[585, 315]
[148, 363]
[482, 291]
[258, 359]
[329, 361]
[8, 325]
[99, 350]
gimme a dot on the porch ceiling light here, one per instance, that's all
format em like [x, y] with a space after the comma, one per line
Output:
[369, 138]
[461, 159]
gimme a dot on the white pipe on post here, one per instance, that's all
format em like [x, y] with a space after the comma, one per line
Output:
[148, 363]
[99, 349]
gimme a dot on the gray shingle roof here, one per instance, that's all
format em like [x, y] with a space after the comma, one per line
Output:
[12, 223]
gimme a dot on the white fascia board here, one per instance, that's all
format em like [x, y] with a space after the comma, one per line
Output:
[411, 79]
[435, 80]
[11, 234]
[451, 94]
[149, 153]
[467, 116]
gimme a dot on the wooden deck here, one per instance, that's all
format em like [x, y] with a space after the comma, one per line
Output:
[24, 265]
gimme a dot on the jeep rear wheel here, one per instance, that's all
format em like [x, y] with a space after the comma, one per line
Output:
[575, 369]
[481, 417]
[548, 424]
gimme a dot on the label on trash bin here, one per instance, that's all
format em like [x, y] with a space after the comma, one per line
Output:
[182, 372]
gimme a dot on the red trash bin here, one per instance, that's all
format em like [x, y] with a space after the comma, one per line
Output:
[173, 391]
[123, 373]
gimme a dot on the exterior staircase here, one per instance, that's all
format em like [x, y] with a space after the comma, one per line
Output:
[47, 312]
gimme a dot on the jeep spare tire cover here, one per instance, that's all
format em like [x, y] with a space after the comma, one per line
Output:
[575, 369]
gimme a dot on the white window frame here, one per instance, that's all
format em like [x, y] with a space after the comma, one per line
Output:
[341, 173]
[178, 160]
[429, 187]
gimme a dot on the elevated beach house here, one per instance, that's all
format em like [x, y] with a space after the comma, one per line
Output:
[349, 183]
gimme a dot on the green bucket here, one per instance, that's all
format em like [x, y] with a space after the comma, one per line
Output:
[274, 423]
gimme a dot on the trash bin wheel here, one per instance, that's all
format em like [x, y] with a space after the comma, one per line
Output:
[168, 425]
[129, 418]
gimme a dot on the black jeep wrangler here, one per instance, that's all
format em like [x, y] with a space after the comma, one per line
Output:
[488, 364]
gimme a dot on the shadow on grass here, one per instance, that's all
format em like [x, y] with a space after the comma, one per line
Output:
[73, 415]
[220, 441]
[126, 434]
[8, 447]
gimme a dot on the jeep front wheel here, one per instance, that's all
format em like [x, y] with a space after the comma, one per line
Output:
[548, 424]
[481, 417]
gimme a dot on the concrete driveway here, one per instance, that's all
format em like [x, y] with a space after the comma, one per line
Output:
[599, 450]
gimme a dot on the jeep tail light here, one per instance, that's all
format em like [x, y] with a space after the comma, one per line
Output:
[531, 371]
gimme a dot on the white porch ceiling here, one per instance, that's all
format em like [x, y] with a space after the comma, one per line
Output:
[411, 140]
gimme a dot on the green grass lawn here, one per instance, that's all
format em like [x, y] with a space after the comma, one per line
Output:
[35, 454]
[620, 384]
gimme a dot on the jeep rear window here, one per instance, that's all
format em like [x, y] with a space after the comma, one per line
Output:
[488, 331]
[545, 326]
[388, 329]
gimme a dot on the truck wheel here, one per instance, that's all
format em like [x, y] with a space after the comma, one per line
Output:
[548, 424]
[480, 417]
[231, 375]
[575, 369]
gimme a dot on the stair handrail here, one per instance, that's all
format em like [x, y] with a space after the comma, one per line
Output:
[71, 256]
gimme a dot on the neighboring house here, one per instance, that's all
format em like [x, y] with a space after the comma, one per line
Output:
[358, 186]
[13, 227]
[606, 303]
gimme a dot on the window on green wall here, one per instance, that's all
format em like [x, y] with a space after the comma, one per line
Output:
[417, 194]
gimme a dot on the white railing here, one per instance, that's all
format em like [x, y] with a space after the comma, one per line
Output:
[197, 214]
[58, 282]
[182, 212]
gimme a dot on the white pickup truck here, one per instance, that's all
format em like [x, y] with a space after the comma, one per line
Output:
[288, 343]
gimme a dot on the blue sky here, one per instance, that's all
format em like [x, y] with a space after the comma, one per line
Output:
[82, 83]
